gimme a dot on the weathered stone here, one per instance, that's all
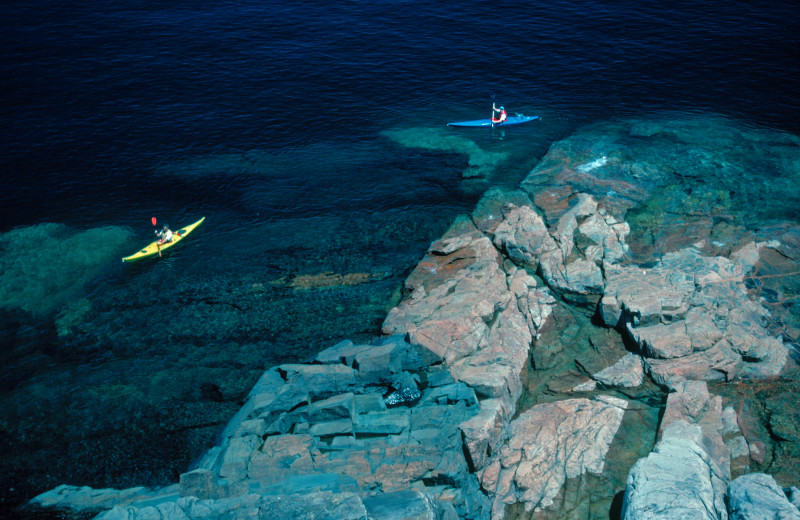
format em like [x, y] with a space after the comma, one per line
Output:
[281, 457]
[401, 505]
[483, 432]
[449, 311]
[257, 427]
[676, 480]
[757, 496]
[719, 363]
[379, 362]
[552, 442]
[690, 402]
[390, 422]
[627, 372]
[609, 234]
[439, 417]
[701, 329]
[343, 352]
[202, 484]
[366, 403]
[233, 460]
[412, 357]
[663, 341]
[439, 377]
[334, 408]
[450, 394]
[320, 380]
[690, 304]
[496, 369]
[643, 292]
[534, 302]
[318, 482]
[322, 504]
[87, 499]
[523, 235]
[260, 398]
[488, 213]
[332, 428]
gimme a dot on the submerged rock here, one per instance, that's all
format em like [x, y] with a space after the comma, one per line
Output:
[56, 272]
[481, 163]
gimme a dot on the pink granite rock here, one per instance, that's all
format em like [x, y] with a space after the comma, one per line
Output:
[548, 444]
[523, 235]
[453, 299]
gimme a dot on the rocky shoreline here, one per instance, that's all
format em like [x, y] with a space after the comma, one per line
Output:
[525, 339]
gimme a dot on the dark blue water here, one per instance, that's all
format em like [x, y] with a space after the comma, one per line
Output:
[271, 119]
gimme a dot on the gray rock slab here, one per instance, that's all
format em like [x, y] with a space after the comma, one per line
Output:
[402, 505]
[379, 362]
[342, 353]
[439, 377]
[366, 403]
[85, 498]
[320, 381]
[627, 372]
[483, 432]
[439, 416]
[332, 428]
[450, 394]
[453, 298]
[676, 480]
[756, 496]
[390, 422]
[340, 406]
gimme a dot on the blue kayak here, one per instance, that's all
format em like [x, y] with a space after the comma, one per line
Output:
[513, 120]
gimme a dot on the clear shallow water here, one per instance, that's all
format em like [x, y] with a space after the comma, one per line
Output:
[271, 120]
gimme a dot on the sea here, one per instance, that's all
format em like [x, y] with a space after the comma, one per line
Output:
[278, 122]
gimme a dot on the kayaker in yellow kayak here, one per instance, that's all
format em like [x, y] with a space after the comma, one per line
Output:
[164, 237]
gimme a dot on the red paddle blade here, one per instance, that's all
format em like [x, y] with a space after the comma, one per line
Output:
[153, 220]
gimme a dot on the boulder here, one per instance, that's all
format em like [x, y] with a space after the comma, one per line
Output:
[488, 213]
[626, 373]
[719, 363]
[410, 504]
[483, 433]
[320, 381]
[757, 496]
[676, 480]
[692, 316]
[334, 408]
[454, 298]
[522, 234]
[548, 444]
[496, 369]
[690, 402]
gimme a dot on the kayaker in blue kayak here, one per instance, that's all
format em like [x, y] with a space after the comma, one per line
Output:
[502, 117]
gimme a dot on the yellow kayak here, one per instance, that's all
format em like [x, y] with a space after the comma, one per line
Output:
[152, 248]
